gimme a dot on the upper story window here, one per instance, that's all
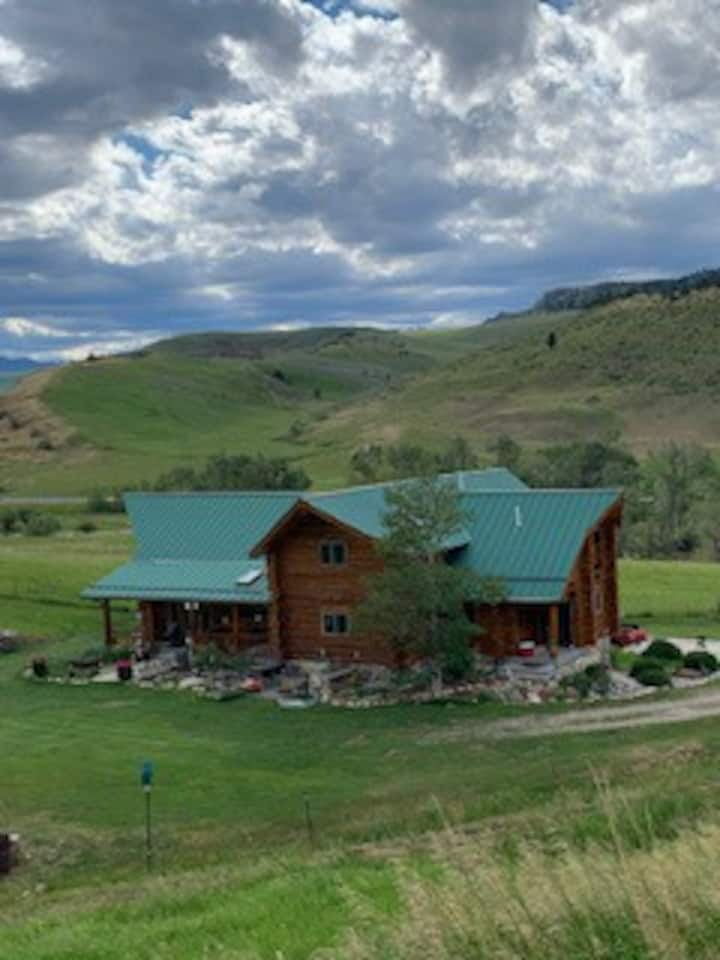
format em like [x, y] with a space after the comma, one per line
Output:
[333, 553]
[335, 623]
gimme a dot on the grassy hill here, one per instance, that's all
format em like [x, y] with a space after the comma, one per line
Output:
[125, 419]
[645, 369]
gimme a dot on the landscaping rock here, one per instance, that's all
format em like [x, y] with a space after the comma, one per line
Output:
[106, 675]
[222, 695]
[688, 673]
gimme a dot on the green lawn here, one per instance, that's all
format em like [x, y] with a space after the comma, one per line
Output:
[41, 578]
[672, 599]
[235, 874]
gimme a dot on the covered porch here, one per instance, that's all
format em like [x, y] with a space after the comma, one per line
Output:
[232, 627]
[506, 626]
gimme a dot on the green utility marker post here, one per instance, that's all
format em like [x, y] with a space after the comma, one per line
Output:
[146, 779]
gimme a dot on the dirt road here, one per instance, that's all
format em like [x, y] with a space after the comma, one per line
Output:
[692, 706]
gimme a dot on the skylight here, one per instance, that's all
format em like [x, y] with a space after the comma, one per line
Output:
[250, 576]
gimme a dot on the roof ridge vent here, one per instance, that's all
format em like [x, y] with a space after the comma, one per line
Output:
[518, 517]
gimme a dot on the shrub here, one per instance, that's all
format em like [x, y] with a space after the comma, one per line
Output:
[409, 678]
[458, 663]
[580, 682]
[212, 657]
[593, 679]
[42, 525]
[701, 660]
[87, 526]
[99, 503]
[663, 650]
[114, 654]
[599, 676]
[95, 653]
[10, 522]
[651, 672]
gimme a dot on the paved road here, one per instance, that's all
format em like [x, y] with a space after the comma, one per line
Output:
[41, 501]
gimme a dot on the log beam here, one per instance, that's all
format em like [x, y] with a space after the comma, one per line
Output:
[554, 630]
[107, 623]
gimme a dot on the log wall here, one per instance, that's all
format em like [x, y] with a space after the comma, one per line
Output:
[304, 588]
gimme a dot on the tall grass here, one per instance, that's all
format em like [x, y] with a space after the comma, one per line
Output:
[601, 903]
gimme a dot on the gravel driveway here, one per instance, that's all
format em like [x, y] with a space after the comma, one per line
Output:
[692, 706]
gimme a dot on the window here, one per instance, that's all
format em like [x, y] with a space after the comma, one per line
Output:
[333, 553]
[335, 623]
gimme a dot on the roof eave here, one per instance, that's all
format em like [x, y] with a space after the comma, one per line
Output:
[303, 506]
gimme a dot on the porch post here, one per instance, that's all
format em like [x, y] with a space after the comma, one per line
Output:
[554, 630]
[107, 623]
[237, 627]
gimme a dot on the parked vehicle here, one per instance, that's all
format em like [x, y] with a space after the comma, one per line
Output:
[629, 634]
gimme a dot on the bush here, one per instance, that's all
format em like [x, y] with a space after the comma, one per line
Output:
[458, 663]
[113, 654]
[599, 677]
[580, 682]
[409, 678]
[87, 526]
[99, 503]
[651, 672]
[14, 521]
[212, 657]
[701, 660]
[663, 650]
[593, 679]
[42, 525]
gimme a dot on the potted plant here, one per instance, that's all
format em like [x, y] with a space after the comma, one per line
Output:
[124, 669]
[40, 667]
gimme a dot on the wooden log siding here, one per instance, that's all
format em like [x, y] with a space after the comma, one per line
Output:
[593, 586]
[304, 589]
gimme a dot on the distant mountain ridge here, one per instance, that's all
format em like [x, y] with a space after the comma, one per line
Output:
[600, 294]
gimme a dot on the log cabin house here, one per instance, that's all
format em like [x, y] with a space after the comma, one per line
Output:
[287, 570]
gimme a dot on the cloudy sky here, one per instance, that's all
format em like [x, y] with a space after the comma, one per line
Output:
[182, 165]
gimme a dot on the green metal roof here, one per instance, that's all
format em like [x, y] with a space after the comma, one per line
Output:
[364, 508]
[496, 478]
[531, 538]
[196, 546]
[195, 580]
[203, 526]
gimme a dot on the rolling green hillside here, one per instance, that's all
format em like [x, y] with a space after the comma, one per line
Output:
[123, 420]
[645, 369]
